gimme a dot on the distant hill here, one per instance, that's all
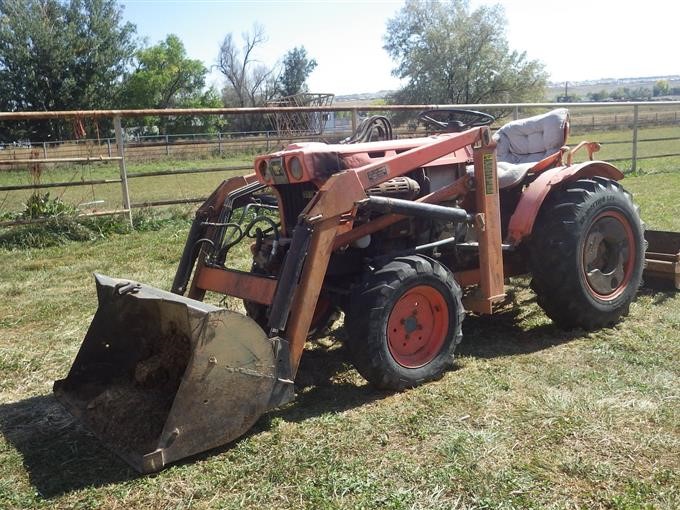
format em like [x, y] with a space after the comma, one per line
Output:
[583, 88]
[364, 97]
[554, 90]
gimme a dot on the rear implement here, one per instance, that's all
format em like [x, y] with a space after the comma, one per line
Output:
[663, 259]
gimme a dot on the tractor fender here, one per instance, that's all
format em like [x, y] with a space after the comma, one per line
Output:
[522, 220]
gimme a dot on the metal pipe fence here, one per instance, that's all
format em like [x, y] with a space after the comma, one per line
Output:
[88, 164]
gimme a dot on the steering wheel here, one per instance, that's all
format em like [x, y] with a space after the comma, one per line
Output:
[454, 120]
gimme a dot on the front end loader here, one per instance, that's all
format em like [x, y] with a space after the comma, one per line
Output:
[402, 236]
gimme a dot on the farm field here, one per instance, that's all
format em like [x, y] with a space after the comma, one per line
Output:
[530, 417]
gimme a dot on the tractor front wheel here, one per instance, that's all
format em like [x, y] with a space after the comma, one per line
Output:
[587, 254]
[404, 323]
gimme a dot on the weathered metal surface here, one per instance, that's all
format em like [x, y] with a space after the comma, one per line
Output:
[662, 258]
[526, 212]
[456, 188]
[390, 205]
[488, 227]
[252, 287]
[160, 377]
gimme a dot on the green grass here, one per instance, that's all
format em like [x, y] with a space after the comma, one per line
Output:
[530, 417]
[109, 196]
[612, 148]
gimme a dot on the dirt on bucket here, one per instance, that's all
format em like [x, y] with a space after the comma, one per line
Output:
[129, 412]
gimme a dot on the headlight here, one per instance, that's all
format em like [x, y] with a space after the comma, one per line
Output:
[295, 167]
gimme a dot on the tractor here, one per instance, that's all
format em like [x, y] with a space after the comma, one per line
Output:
[404, 236]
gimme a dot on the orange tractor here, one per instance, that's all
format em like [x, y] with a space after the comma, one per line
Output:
[403, 236]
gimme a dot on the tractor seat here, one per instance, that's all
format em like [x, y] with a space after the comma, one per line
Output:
[525, 144]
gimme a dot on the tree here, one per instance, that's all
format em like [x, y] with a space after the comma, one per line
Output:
[450, 54]
[249, 83]
[598, 96]
[60, 56]
[662, 88]
[296, 69]
[628, 94]
[165, 78]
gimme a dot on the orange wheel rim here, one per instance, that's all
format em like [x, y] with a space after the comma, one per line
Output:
[608, 255]
[417, 326]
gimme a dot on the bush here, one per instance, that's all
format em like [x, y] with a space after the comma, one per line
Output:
[62, 228]
[54, 231]
[40, 205]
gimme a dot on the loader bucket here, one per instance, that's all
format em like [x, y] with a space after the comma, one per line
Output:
[160, 377]
[662, 259]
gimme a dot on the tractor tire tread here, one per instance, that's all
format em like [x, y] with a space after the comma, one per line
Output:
[553, 252]
[366, 320]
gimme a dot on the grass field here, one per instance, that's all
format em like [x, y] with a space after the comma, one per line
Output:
[530, 417]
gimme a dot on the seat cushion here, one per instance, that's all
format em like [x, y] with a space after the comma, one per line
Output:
[532, 139]
[509, 174]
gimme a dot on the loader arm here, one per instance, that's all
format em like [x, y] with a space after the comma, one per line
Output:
[329, 217]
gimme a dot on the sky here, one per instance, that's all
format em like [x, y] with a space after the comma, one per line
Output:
[577, 40]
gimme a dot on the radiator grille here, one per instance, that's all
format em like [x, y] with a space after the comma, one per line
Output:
[294, 198]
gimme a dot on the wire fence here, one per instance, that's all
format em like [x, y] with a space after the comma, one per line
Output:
[129, 169]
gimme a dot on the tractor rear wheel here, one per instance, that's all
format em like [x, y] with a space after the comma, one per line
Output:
[587, 254]
[404, 323]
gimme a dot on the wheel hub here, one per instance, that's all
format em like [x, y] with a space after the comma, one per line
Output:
[607, 260]
[411, 324]
[417, 326]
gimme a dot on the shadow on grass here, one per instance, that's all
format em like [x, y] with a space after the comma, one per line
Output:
[58, 455]
[502, 334]
[61, 457]
[327, 383]
[658, 290]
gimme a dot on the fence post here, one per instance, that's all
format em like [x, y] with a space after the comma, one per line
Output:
[635, 139]
[355, 115]
[121, 165]
[219, 143]
[45, 150]
[515, 113]
[108, 145]
[167, 145]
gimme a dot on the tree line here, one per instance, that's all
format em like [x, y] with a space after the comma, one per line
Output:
[660, 89]
[82, 55]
